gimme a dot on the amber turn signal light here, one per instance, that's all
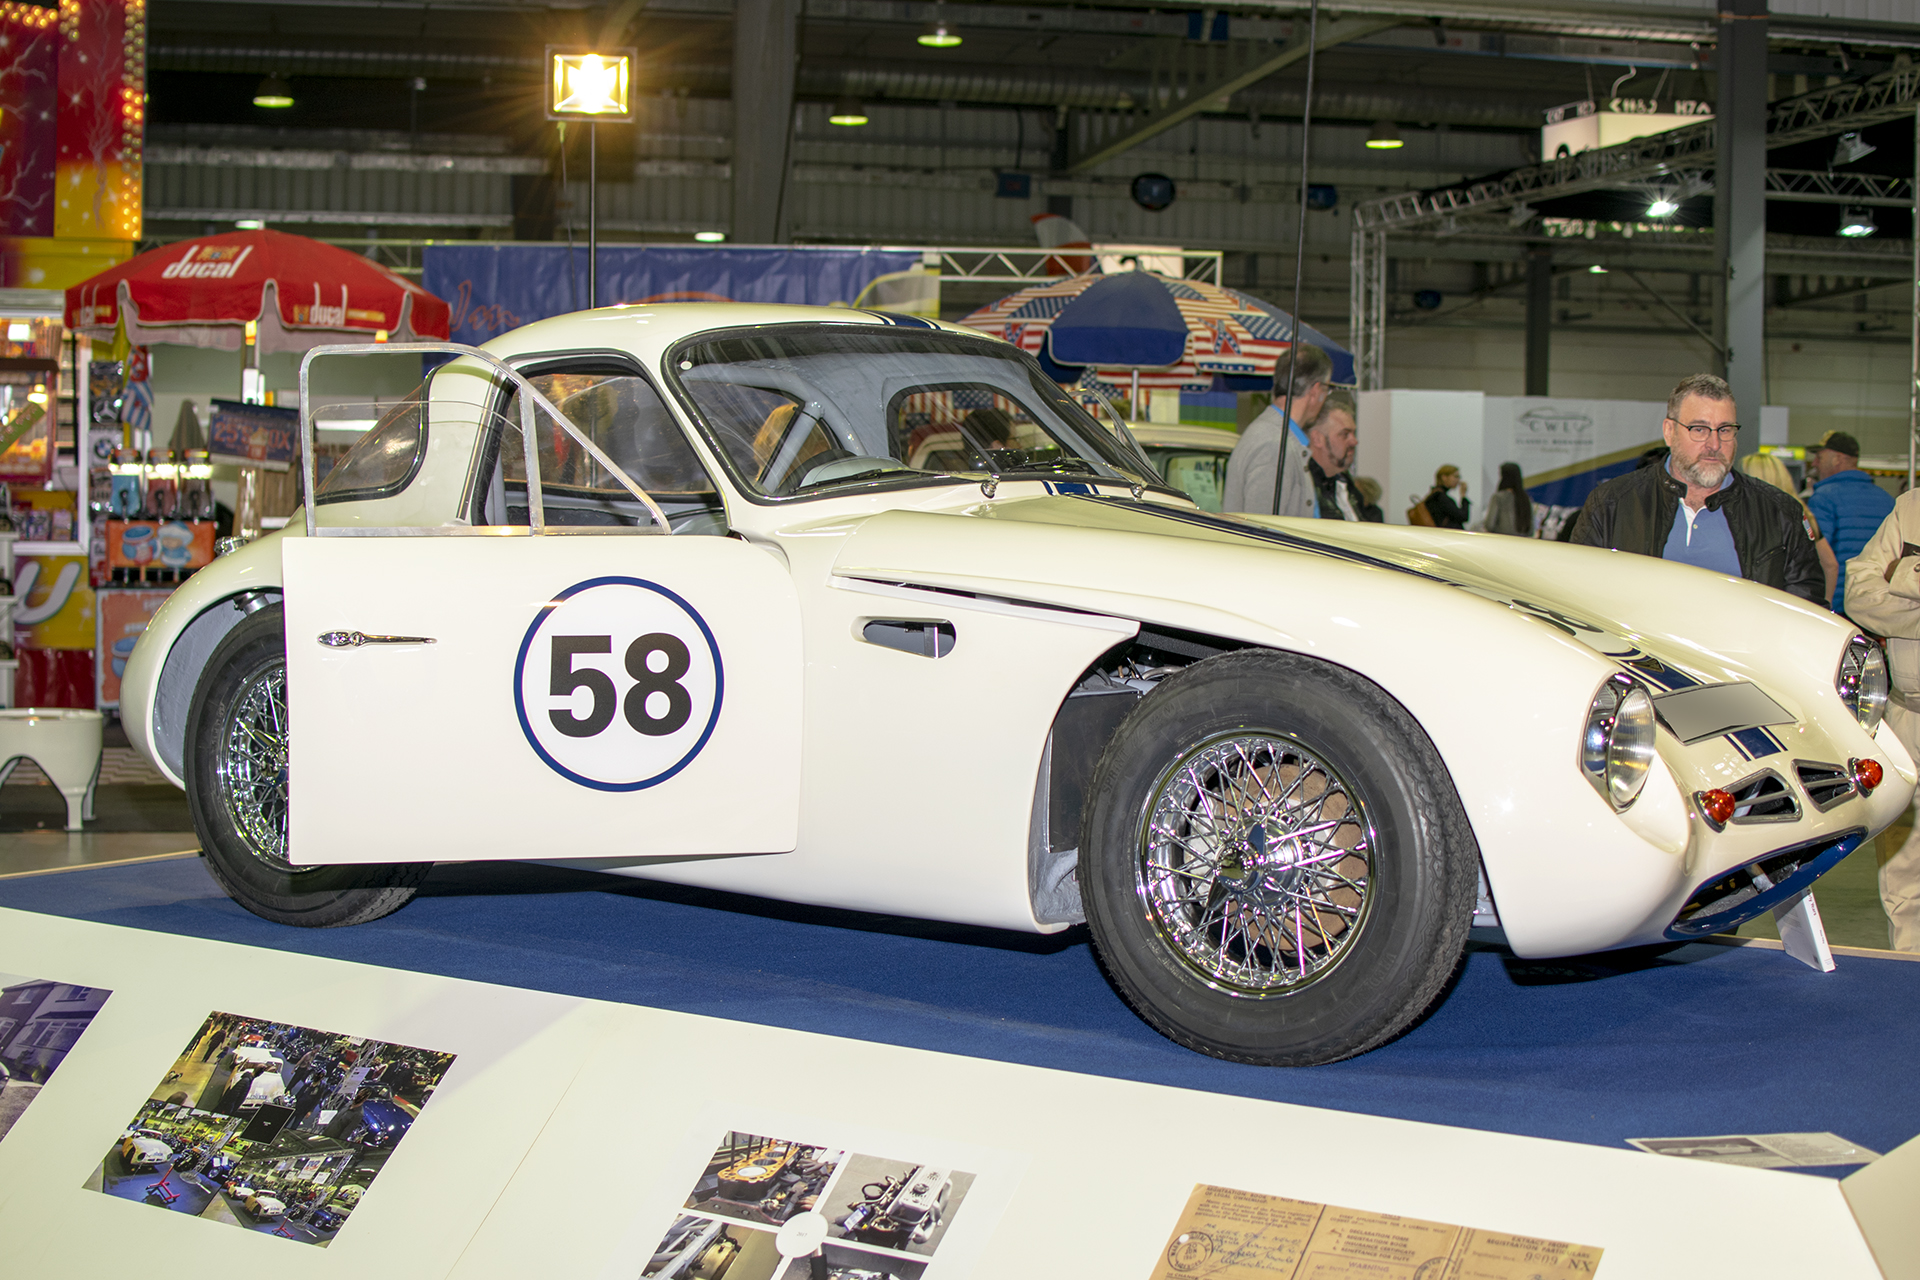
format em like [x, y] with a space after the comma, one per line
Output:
[1716, 804]
[1867, 775]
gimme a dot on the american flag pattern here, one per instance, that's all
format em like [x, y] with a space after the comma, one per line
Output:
[1227, 332]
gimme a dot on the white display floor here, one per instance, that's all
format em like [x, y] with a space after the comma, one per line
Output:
[567, 1135]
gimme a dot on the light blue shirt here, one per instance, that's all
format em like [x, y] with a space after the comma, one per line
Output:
[1702, 538]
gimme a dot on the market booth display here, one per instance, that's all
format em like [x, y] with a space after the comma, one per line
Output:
[130, 520]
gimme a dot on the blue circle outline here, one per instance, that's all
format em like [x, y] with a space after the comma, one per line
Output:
[519, 671]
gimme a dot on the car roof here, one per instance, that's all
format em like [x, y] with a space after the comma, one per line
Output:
[657, 324]
[1165, 435]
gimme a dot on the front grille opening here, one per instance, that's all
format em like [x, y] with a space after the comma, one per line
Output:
[1765, 798]
[1826, 784]
[1719, 903]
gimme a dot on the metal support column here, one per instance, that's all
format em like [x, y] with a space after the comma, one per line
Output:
[765, 42]
[1740, 204]
[1913, 378]
[1367, 308]
[1539, 319]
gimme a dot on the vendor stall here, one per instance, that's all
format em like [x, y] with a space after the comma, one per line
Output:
[230, 314]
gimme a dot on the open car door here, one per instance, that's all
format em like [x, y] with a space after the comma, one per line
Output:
[562, 668]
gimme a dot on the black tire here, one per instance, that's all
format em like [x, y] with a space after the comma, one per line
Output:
[239, 799]
[1329, 946]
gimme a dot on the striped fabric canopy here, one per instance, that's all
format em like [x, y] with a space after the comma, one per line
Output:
[1177, 333]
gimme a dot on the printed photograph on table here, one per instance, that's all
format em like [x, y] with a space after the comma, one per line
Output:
[701, 1248]
[895, 1204]
[836, 1261]
[271, 1127]
[761, 1179]
[40, 1022]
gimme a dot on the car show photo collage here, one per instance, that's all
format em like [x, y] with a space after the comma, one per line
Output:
[270, 1127]
[767, 1208]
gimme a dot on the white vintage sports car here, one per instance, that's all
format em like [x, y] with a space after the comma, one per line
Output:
[714, 594]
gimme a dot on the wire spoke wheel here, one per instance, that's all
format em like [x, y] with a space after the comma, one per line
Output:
[252, 765]
[1275, 866]
[1256, 863]
[239, 781]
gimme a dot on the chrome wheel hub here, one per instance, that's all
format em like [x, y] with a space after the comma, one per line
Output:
[1256, 863]
[252, 767]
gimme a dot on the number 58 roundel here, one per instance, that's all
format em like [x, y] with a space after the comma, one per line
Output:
[618, 684]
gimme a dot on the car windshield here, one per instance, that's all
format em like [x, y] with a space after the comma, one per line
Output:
[806, 410]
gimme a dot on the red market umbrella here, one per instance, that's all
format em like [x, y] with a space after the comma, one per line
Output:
[303, 294]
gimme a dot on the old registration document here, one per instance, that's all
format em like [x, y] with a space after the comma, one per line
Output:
[1242, 1235]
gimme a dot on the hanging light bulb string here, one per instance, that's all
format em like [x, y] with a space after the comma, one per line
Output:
[1299, 250]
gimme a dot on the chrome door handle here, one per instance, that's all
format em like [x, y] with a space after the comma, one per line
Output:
[354, 639]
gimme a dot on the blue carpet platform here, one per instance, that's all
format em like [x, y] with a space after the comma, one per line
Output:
[1702, 1039]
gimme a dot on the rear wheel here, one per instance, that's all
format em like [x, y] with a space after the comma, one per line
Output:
[1277, 868]
[236, 775]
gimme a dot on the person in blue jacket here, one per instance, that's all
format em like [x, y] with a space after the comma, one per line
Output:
[1845, 501]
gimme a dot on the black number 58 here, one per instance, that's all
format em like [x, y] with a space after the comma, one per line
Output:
[646, 681]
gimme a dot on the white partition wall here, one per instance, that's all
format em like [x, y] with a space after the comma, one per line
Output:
[1406, 435]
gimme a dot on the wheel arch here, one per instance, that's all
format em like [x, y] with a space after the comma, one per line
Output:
[1086, 722]
[180, 674]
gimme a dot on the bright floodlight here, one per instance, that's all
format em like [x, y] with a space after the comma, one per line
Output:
[591, 86]
[710, 237]
[1661, 207]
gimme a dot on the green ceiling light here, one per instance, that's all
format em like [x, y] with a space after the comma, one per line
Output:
[1384, 136]
[1663, 206]
[1855, 223]
[274, 91]
[847, 111]
[710, 237]
[941, 36]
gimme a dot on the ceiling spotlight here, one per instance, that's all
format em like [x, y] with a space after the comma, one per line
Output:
[1521, 214]
[1855, 223]
[274, 91]
[1662, 207]
[1384, 136]
[847, 111]
[248, 224]
[710, 237]
[1596, 270]
[1850, 148]
[1449, 226]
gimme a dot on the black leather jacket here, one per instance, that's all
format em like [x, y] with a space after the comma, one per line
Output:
[1635, 512]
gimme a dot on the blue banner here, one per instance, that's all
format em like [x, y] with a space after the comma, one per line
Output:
[494, 288]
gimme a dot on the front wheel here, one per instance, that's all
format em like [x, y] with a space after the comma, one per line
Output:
[1277, 868]
[236, 774]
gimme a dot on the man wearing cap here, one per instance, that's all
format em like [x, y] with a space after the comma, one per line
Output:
[1694, 507]
[1845, 501]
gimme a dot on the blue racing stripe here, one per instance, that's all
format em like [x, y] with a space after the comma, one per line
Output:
[1754, 743]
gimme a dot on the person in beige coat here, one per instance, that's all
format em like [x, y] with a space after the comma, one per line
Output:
[1883, 596]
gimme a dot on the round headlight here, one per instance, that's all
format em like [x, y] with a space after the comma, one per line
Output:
[1862, 681]
[1616, 750]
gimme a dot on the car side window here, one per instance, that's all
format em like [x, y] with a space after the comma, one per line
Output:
[624, 417]
[385, 459]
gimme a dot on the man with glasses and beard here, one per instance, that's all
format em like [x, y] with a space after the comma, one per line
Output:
[1697, 509]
